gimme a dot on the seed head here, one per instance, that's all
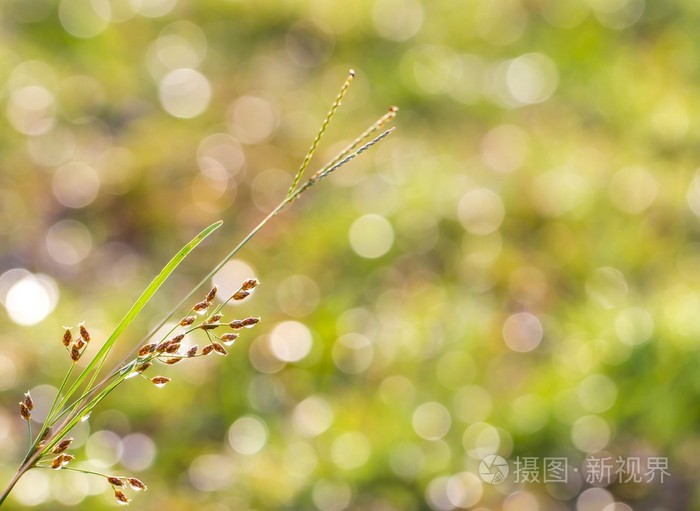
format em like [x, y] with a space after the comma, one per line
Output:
[211, 294]
[146, 349]
[219, 348]
[237, 324]
[240, 295]
[62, 446]
[250, 284]
[67, 337]
[121, 498]
[215, 318]
[61, 461]
[173, 360]
[187, 321]
[80, 343]
[115, 481]
[172, 348]
[192, 351]
[160, 381]
[84, 333]
[136, 484]
[201, 306]
[207, 349]
[142, 367]
[28, 401]
[229, 338]
[75, 353]
[24, 411]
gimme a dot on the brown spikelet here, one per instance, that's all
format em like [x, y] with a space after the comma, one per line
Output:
[173, 347]
[159, 381]
[215, 318]
[192, 351]
[219, 348]
[24, 411]
[121, 498]
[80, 343]
[75, 353]
[62, 446]
[136, 484]
[146, 349]
[228, 338]
[173, 360]
[211, 294]
[115, 481]
[61, 461]
[210, 326]
[237, 324]
[240, 295]
[201, 306]
[143, 367]
[84, 333]
[67, 337]
[187, 321]
[250, 284]
[28, 401]
[207, 349]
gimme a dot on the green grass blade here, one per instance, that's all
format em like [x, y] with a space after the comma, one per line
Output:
[98, 359]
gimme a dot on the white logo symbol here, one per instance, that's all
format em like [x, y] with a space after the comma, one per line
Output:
[493, 469]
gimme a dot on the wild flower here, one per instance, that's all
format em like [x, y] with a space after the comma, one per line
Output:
[78, 394]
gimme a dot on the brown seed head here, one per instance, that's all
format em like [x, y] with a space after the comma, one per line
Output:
[210, 326]
[146, 349]
[173, 360]
[207, 349]
[136, 484]
[67, 458]
[28, 401]
[115, 481]
[84, 333]
[121, 498]
[24, 411]
[143, 367]
[250, 284]
[62, 446]
[75, 353]
[240, 295]
[187, 321]
[251, 321]
[192, 351]
[215, 318]
[67, 337]
[219, 348]
[159, 381]
[173, 347]
[201, 306]
[211, 294]
[57, 462]
[229, 338]
[80, 343]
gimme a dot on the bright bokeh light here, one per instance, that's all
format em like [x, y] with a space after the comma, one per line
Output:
[247, 435]
[312, 416]
[371, 236]
[291, 341]
[30, 299]
[184, 93]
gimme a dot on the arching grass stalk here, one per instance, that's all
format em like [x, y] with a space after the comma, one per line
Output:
[77, 398]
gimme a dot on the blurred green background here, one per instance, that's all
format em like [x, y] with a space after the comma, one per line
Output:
[515, 271]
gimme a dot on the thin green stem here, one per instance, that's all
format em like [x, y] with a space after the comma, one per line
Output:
[73, 469]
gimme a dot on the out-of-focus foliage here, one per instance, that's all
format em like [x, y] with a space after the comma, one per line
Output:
[515, 271]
